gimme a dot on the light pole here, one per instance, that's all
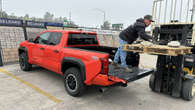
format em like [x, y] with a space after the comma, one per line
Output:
[102, 11]
[1, 8]
[1, 5]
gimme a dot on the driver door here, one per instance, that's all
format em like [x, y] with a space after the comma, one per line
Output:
[38, 49]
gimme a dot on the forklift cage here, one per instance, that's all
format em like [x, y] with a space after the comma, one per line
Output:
[174, 12]
[178, 10]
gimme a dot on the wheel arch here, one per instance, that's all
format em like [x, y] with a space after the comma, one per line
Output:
[69, 62]
[22, 50]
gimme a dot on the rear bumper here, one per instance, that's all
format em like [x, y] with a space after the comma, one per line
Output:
[121, 78]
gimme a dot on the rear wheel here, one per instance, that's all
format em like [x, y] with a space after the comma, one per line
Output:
[188, 89]
[73, 82]
[24, 64]
[151, 82]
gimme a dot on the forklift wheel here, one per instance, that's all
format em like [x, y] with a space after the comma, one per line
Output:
[151, 82]
[188, 89]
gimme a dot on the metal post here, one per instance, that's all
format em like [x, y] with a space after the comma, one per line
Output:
[171, 12]
[193, 9]
[174, 13]
[1, 61]
[155, 10]
[165, 15]
[24, 29]
[187, 10]
[159, 12]
[153, 7]
[181, 8]
[153, 16]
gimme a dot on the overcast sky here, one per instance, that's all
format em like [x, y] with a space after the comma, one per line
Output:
[83, 13]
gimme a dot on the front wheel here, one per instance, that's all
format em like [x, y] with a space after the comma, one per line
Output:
[24, 64]
[73, 82]
[188, 89]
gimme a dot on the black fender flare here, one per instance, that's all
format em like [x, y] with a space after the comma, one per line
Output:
[22, 49]
[79, 63]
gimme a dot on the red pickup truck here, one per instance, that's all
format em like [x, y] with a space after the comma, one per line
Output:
[79, 58]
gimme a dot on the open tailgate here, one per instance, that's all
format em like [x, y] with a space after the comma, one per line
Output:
[137, 73]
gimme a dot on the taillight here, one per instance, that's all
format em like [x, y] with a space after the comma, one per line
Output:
[105, 65]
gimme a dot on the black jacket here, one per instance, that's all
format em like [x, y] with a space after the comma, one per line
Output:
[134, 31]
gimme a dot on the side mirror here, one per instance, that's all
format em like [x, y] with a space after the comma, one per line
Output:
[31, 40]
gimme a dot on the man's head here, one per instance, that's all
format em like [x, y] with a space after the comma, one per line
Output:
[148, 20]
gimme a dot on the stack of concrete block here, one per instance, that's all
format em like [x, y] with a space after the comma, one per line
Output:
[10, 38]
[54, 28]
[10, 55]
[108, 40]
[33, 32]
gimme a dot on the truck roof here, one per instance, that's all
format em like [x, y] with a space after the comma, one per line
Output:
[70, 31]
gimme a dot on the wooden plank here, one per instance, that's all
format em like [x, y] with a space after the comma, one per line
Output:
[158, 49]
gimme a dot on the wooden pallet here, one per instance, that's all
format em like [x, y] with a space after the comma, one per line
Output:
[158, 49]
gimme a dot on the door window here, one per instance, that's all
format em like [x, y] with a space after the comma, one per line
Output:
[43, 38]
[54, 38]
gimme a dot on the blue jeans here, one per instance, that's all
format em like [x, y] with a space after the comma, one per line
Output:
[121, 54]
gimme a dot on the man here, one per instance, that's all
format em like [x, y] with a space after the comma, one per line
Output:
[128, 36]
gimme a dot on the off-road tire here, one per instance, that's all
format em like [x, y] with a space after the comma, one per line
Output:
[24, 64]
[73, 82]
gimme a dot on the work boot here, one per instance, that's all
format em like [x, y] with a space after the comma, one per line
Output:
[128, 70]
[116, 65]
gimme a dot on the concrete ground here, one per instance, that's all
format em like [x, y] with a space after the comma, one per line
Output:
[41, 89]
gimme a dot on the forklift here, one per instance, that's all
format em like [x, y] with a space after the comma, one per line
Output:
[174, 75]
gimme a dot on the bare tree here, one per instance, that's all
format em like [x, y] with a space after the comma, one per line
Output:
[48, 16]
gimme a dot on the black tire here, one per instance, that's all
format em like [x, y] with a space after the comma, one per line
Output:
[187, 89]
[151, 82]
[73, 82]
[24, 64]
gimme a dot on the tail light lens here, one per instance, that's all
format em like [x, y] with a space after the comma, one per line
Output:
[105, 65]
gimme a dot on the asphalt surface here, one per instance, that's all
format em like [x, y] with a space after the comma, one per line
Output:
[41, 89]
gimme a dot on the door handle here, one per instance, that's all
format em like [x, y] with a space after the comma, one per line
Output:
[41, 48]
[56, 51]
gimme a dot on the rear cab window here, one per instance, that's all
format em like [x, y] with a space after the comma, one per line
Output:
[82, 39]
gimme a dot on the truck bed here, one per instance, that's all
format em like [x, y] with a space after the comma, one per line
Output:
[137, 73]
[132, 61]
[132, 58]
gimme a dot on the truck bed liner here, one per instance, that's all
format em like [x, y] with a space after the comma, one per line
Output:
[137, 73]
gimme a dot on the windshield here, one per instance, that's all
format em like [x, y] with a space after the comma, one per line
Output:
[82, 39]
